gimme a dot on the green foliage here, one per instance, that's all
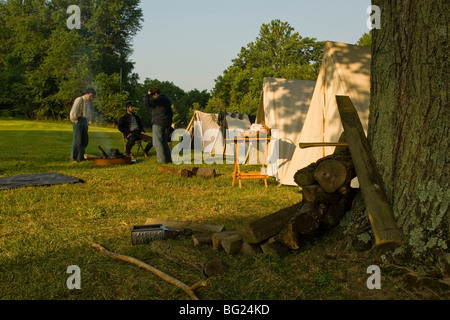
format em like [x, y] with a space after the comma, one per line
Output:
[365, 40]
[110, 100]
[277, 52]
[44, 66]
[183, 103]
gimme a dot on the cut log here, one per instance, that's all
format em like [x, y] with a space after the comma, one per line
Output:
[316, 194]
[205, 173]
[334, 214]
[305, 176]
[275, 249]
[181, 225]
[232, 244]
[307, 220]
[91, 157]
[202, 239]
[381, 216]
[250, 249]
[331, 174]
[288, 236]
[104, 154]
[218, 237]
[184, 173]
[193, 258]
[269, 226]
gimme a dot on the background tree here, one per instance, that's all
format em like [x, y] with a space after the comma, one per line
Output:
[409, 123]
[183, 103]
[278, 51]
[365, 40]
[45, 66]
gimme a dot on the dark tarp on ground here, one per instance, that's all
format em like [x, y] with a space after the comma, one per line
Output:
[45, 179]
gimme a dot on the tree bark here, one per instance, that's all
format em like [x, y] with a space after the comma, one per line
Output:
[409, 122]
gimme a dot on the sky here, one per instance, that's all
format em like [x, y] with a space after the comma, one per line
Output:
[192, 42]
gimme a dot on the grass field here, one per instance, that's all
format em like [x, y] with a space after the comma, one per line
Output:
[44, 230]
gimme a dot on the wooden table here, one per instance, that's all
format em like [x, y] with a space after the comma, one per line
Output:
[237, 174]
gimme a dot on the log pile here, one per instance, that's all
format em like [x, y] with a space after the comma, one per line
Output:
[327, 196]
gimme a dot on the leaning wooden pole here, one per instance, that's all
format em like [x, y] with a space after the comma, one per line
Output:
[189, 290]
[381, 216]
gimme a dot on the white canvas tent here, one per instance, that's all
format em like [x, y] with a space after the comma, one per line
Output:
[230, 124]
[345, 70]
[212, 128]
[208, 121]
[283, 106]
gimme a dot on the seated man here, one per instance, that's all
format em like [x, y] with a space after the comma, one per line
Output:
[131, 127]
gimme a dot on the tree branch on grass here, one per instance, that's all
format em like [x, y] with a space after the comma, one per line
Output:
[188, 290]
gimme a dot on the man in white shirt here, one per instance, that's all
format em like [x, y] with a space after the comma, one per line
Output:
[81, 115]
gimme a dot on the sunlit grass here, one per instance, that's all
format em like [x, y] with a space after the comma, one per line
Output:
[44, 230]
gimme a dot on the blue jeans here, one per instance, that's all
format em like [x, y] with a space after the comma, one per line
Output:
[161, 144]
[80, 140]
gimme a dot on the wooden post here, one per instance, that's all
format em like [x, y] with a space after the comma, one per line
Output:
[381, 216]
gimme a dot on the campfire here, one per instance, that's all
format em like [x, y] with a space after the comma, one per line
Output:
[112, 159]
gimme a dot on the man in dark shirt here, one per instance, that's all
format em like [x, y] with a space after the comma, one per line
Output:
[131, 127]
[162, 121]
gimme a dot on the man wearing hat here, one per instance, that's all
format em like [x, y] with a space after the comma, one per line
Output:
[81, 116]
[131, 127]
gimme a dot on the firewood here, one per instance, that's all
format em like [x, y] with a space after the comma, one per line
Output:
[91, 157]
[288, 236]
[316, 194]
[331, 175]
[184, 173]
[333, 215]
[337, 211]
[192, 258]
[104, 154]
[307, 220]
[205, 173]
[218, 237]
[269, 226]
[232, 244]
[250, 249]
[181, 225]
[305, 176]
[275, 249]
[202, 239]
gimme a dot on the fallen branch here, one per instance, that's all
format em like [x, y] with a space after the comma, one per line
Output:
[189, 290]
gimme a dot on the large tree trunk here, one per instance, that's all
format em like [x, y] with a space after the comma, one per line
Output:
[409, 122]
